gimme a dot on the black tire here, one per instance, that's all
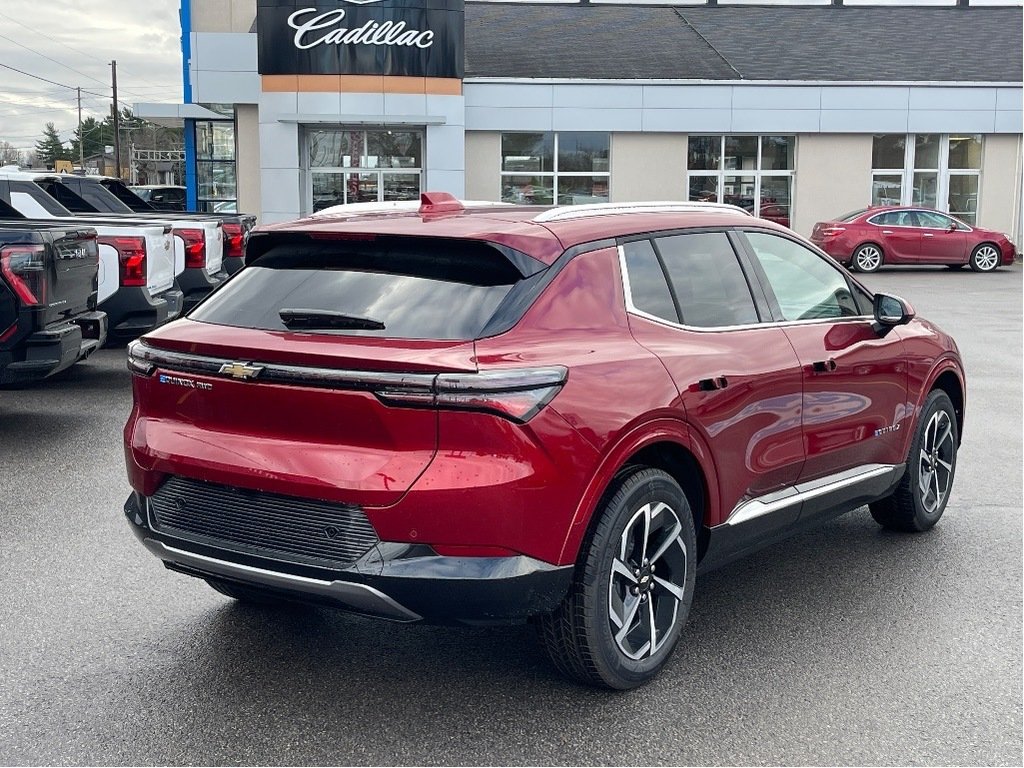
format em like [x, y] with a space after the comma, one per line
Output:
[932, 462]
[985, 258]
[580, 636]
[247, 594]
[867, 258]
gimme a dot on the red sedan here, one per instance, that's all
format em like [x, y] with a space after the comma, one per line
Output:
[868, 238]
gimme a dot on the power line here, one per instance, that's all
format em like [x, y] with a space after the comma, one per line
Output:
[49, 36]
[53, 82]
[50, 58]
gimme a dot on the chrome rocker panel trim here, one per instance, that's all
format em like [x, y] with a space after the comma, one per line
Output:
[801, 492]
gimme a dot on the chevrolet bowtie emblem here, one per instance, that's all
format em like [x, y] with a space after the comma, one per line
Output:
[241, 370]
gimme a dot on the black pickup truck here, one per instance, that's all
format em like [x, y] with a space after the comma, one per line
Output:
[48, 284]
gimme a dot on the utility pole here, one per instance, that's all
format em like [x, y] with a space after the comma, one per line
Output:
[81, 137]
[117, 121]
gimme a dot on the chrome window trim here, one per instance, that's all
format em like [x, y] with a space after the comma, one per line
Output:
[801, 492]
[959, 223]
[632, 309]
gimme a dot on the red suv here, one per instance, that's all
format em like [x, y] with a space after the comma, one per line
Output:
[868, 238]
[496, 413]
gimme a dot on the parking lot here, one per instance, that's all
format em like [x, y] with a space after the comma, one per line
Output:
[846, 645]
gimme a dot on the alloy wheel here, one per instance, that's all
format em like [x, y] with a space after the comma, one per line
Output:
[868, 258]
[645, 588]
[986, 258]
[935, 465]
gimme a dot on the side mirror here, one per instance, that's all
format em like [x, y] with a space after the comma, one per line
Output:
[892, 310]
[953, 227]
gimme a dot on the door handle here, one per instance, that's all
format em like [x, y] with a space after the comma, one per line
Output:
[824, 366]
[927, 234]
[709, 385]
[886, 231]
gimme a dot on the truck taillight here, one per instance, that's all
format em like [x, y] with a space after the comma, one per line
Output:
[131, 253]
[24, 268]
[195, 247]
[234, 241]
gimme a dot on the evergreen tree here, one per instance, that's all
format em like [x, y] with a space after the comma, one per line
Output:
[49, 149]
[97, 135]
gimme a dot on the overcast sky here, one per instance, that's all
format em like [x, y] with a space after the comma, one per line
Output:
[72, 42]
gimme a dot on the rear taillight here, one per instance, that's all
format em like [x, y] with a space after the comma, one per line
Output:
[24, 268]
[832, 231]
[516, 394]
[195, 247]
[234, 241]
[131, 253]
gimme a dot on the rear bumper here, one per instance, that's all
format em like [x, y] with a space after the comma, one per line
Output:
[133, 311]
[196, 284]
[53, 349]
[400, 582]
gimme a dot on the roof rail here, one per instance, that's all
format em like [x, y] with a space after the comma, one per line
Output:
[606, 209]
[429, 202]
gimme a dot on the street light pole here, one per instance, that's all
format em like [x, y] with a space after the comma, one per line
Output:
[81, 137]
[117, 121]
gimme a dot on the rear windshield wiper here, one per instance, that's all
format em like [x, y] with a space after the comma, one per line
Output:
[323, 319]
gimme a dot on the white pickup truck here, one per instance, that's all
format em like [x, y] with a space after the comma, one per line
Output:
[137, 274]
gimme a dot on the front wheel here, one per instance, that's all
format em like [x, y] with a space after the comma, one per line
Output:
[920, 498]
[985, 258]
[633, 587]
[867, 258]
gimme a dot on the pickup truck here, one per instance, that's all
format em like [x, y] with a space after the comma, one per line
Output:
[236, 225]
[198, 238]
[137, 286]
[48, 287]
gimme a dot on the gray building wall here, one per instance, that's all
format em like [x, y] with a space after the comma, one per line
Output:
[833, 176]
[648, 166]
[247, 159]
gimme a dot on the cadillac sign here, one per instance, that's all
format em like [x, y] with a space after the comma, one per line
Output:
[413, 38]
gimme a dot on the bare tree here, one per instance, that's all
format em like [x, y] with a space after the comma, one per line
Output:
[9, 154]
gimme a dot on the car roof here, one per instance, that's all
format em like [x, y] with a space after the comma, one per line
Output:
[542, 232]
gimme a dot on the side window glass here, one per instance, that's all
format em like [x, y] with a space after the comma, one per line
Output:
[885, 219]
[933, 220]
[647, 285]
[806, 286]
[707, 279]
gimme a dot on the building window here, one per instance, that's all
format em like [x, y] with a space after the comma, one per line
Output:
[753, 172]
[363, 166]
[927, 169]
[566, 168]
[215, 166]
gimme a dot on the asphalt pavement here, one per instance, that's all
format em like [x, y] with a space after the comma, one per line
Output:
[846, 645]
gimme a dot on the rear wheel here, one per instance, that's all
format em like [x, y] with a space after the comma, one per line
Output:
[867, 258]
[920, 499]
[247, 594]
[985, 258]
[633, 587]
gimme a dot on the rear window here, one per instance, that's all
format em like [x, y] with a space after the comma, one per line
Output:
[416, 288]
[848, 217]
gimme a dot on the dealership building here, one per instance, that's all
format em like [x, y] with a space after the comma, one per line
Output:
[796, 111]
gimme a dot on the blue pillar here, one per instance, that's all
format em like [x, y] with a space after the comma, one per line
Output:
[191, 187]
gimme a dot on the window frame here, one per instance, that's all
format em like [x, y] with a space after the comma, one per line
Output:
[761, 304]
[722, 173]
[345, 171]
[554, 174]
[943, 171]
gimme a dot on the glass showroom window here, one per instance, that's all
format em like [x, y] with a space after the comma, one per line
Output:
[927, 169]
[566, 168]
[753, 172]
[215, 166]
[363, 166]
